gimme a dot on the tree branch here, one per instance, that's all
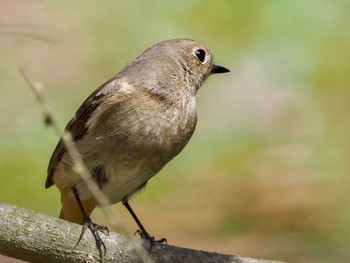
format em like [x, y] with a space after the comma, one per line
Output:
[35, 237]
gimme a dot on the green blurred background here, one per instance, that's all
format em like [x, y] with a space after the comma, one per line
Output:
[266, 173]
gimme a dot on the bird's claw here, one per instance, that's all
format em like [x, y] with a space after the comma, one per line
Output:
[95, 229]
[151, 239]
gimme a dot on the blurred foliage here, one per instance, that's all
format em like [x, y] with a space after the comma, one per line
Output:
[266, 173]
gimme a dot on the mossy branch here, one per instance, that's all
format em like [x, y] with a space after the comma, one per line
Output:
[35, 237]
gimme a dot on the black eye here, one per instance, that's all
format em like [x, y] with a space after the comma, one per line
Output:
[200, 54]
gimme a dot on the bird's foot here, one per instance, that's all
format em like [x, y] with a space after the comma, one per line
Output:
[95, 231]
[152, 241]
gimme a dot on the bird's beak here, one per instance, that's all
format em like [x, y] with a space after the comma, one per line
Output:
[218, 69]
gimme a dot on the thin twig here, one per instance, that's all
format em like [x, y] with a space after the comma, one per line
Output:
[30, 31]
[79, 165]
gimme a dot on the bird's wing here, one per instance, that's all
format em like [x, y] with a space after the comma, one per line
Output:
[108, 94]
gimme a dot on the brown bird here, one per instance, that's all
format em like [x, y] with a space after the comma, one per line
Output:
[130, 127]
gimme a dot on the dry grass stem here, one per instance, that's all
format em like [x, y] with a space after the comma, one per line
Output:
[80, 167]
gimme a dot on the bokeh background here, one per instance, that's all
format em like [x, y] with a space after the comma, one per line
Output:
[266, 173]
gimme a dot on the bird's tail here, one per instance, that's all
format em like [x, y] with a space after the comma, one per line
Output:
[70, 210]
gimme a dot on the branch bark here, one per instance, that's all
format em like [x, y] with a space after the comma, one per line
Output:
[35, 237]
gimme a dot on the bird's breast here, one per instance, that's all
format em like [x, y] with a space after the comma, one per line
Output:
[147, 127]
[167, 129]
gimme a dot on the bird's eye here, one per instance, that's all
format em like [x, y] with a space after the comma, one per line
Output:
[200, 54]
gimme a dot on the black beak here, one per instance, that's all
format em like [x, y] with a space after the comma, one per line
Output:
[218, 69]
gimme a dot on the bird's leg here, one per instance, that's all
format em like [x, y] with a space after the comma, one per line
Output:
[94, 228]
[142, 231]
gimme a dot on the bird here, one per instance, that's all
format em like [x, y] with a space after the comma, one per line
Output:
[129, 128]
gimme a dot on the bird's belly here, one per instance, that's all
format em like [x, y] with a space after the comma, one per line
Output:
[124, 180]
